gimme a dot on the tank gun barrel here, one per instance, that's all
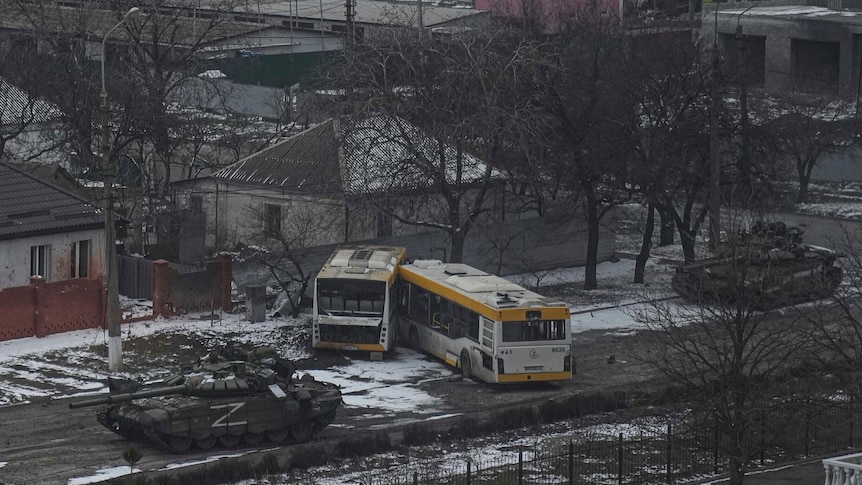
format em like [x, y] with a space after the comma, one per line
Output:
[118, 398]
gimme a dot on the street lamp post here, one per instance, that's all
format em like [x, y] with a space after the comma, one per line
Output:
[115, 345]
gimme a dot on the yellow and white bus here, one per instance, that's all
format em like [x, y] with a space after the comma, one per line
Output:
[489, 327]
[354, 307]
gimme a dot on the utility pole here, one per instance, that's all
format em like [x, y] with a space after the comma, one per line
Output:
[350, 14]
[421, 20]
[714, 201]
[115, 344]
[745, 158]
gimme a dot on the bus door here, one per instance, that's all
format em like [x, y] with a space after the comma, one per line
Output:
[487, 343]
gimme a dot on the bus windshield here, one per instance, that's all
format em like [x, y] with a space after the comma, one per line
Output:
[345, 297]
[534, 331]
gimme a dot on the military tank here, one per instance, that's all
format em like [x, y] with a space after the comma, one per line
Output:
[766, 268]
[252, 403]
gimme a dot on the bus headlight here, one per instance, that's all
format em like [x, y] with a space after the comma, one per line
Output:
[501, 368]
[567, 363]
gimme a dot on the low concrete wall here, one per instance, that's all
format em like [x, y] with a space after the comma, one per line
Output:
[175, 293]
[514, 247]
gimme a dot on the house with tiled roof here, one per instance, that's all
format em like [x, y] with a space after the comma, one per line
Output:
[46, 231]
[315, 185]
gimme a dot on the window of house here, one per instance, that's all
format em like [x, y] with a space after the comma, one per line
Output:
[80, 259]
[272, 220]
[40, 261]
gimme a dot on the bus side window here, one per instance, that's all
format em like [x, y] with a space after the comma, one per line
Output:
[459, 325]
[419, 305]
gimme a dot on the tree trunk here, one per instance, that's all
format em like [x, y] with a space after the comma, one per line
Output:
[802, 195]
[687, 239]
[646, 245]
[737, 471]
[667, 226]
[456, 246]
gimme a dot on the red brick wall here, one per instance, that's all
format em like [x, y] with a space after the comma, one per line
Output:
[42, 309]
[16, 312]
[71, 305]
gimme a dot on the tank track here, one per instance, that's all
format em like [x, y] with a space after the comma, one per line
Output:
[130, 429]
[687, 285]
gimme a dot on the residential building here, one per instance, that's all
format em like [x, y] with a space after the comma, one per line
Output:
[781, 45]
[316, 186]
[46, 231]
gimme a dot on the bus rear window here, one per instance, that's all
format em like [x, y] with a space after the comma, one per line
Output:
[351, 297]
[537, 331]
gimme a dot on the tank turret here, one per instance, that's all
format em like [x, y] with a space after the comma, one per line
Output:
[769, 266]
[204, 411]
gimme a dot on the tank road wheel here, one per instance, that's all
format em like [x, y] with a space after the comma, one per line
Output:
[206, 443]
[228, 440]
[466, 365]
[277, 435]
[301, 431]
[179, 444]
[252, 438]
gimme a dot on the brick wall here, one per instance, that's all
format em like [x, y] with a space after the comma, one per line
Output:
[16, 312]
[70, 305]
[42, 309]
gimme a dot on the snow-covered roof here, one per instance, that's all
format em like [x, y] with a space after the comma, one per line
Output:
[17, 107]
[790, 12]
[354, 156]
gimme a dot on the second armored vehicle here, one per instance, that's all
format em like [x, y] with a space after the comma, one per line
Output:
[766, 268]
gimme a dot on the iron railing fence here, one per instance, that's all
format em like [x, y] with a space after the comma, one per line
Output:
[687, 449]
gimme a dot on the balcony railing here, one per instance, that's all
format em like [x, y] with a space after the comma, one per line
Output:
[843, 470]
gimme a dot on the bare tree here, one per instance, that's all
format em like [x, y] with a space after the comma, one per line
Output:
[283, 230]
[451, 107]
[805, 128]
[669, 167]
[836, 322]
[732, 362]
[583, 89]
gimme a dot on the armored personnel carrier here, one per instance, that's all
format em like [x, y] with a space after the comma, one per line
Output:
[768, 267]
[245, 402]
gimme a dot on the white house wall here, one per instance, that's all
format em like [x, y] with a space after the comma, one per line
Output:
[232, 213]
[15, 256]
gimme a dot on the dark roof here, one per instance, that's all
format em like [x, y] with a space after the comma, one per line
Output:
[353, 156]
[31, 207]
[304, 163]
[52, 173]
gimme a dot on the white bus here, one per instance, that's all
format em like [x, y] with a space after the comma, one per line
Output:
[353, 304]
[490, 328]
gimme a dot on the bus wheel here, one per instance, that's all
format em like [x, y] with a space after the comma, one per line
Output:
[466, 365]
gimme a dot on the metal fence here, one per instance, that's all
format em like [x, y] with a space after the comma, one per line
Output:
[136, 277]
[684, 452]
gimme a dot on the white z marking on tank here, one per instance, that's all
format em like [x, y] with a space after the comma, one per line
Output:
[222, 421]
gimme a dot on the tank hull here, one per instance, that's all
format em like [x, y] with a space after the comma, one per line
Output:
[179, 423]
[762, 287]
